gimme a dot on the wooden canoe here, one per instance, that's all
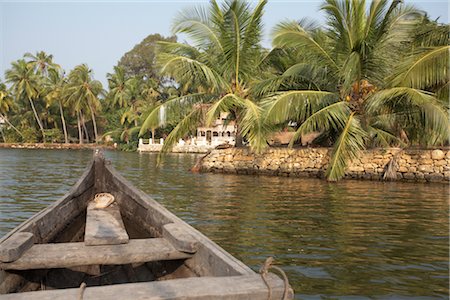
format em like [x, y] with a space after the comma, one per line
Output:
[133, 249]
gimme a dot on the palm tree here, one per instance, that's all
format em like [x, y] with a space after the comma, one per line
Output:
[416, 95]
[25, 84]
[82, 93]
[41, 62]
[215, 74]
[6, 103]
[117, 87]
[54, 87]
[335, 86]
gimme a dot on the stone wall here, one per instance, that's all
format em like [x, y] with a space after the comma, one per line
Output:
[412, 164]
[176, 149]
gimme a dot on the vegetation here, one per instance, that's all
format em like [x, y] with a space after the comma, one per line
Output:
[337, 85]
[374, 75]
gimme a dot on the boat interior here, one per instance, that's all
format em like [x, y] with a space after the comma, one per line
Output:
[134, 239]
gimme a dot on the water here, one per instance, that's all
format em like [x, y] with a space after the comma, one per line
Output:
[350, 240]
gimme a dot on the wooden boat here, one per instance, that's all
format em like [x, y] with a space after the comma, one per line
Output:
[133, 248]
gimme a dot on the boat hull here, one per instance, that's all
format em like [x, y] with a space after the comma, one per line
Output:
[210, 272]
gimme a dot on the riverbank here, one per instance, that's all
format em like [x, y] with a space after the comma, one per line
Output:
[54, 146]
[409, 164]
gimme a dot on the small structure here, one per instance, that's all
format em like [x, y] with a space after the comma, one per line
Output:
[220, 132]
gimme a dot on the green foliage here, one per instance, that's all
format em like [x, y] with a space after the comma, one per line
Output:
[216, 73]
[347, 84]
[29, 135]
[53, 136]
[140, 61]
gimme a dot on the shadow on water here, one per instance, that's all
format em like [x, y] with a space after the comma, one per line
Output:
[350, 240]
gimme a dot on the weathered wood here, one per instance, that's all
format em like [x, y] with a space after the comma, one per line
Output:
[15, 246]
[218, 261]
[104, 226]
[148, 215]
[64, 255]
[180, 238]
[221, 288]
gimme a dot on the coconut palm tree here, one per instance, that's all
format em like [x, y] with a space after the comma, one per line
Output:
[82, 92]
[6, 103]
[117, 87]
[41, 62]
[416, 95]
[54, 87]
[25, 84]
[337, 86]
[215, 74]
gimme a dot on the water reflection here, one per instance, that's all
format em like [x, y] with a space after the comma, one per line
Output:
[351, 240]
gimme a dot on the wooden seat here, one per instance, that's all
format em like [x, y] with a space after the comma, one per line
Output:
[64, 255]
[104, 226]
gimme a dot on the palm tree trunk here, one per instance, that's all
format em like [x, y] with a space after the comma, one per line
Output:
[80, 133]
[37, 119]
[9, 123]
[153, 135]
[93, 123]
[84, 127]
[66, 138]
[3, 136]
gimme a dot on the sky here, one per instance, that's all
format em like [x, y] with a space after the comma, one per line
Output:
[99, 32]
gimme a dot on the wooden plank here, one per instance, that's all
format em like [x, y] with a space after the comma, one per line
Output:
[64, 255]
[221, 288]
[104, 226]
[15, 246]
[180, 238]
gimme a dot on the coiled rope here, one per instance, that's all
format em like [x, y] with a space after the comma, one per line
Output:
[264, 270]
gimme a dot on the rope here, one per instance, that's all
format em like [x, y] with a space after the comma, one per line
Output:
[82, 288]
[264, 270]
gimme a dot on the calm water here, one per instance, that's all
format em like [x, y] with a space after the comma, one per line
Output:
[351, 240]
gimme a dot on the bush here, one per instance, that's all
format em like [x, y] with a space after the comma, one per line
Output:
[53, 136]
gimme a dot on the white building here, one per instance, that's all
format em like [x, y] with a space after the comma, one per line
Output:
[207, 138]
[217, 134]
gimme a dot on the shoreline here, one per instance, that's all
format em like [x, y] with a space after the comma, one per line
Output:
[57, 146]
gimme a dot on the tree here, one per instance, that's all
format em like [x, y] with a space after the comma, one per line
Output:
[6, 103]
[337, 86]
[41, 62]
[215, 74]
[54, 87]
[82, 93]
[25, 84]
[117, 87]
[140, 61]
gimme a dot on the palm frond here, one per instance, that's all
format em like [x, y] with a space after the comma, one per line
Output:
[350, 142]
[224, 104]
[195, 22]
[333, 116]
[187, 125]
[185, 69]
[291, 34]
[431, 114]
[428, 68]
[296, 105]
[382, 138]
[253, 127]
[176, 106]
